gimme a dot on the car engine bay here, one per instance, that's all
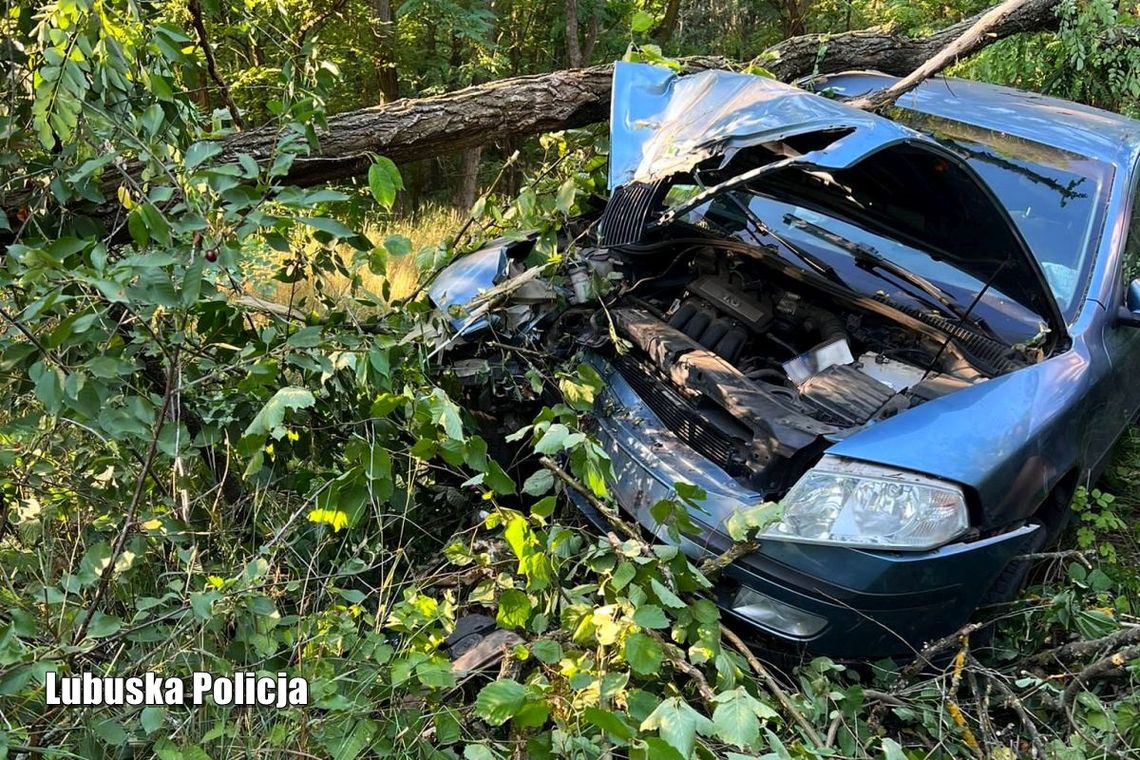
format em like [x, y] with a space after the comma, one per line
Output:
[754, 370]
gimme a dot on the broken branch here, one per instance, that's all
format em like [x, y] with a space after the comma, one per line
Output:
[773, 686]
[1080, 649]
[1105, 666]
[713, 566]
[973, 39]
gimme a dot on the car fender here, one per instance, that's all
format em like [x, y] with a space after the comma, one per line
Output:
[1008, 440]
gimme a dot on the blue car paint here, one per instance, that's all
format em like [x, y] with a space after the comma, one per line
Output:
[663, 124]
[461, 282]
[653, 131]
[875, 603]
[1008, 442]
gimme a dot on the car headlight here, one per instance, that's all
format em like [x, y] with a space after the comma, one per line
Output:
[854, 504]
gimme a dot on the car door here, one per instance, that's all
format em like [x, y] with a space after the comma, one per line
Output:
[1122, 342]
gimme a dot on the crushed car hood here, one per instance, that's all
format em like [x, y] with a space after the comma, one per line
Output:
[663, 125]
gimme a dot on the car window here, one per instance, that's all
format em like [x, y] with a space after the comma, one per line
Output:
[1132, 244]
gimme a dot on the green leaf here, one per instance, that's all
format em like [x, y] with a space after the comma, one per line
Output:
[384, 181]
[746, 523]
[643, 654]
[112, 732]
[622, 576]
[306, 337]
[514, 609]
[544, 507]
[650, 616]
[678, 724]
[269, 419]
[538, 483]
[892, 750]
[499, 701]
[610, 722]
[102, 625]
[477, 751]
[641, 22]
[556, 438]
[665, 596]
[435, 674]
[446, 414]
[546, 651]
[397, 245]
[151, 719]
[567, 191]
[737, 717]
[199, 152]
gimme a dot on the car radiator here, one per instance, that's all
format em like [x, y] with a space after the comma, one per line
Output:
[679, 416]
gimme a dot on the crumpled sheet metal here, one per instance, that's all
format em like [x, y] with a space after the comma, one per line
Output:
[662, 123]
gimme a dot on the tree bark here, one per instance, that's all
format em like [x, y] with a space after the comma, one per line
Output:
[974, 37]
[468, 189]
[405, 130]
[573, 47]
[199, 24]
[664, 31]
[591, 37]
[387, 78]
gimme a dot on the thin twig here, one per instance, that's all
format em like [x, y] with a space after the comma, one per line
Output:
[132, 509]
[1012, 701]
[676, 658]
[199, 25]
[594, 501]
[773, 686]
[1102, 667]
[1081, 555]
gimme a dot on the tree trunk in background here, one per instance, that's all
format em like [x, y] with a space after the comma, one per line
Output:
[592, 29]
[793, 15]
[468, 189]
[406, 130]
[387, 77]
[573, 49]
[664, 31]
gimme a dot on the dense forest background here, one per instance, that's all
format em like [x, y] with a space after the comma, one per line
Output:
[228, 443]
[384, 50]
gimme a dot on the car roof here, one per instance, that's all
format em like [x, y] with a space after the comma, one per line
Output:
[1081, 129]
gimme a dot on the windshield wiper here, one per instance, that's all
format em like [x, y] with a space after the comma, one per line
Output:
[708, 193]
[819, 266]
[869, 259]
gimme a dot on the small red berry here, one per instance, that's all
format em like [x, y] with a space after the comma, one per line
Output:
[212, 255]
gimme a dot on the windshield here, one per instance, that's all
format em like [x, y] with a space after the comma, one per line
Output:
[1009, 320]
[1056, 198]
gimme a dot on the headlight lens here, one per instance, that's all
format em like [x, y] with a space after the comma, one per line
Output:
[854, 504]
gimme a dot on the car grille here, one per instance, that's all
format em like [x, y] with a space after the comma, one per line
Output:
[684, 421]
[627, 211]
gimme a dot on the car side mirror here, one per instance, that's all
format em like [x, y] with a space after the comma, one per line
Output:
[1129, 313]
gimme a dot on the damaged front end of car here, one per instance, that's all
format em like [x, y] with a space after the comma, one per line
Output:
[773, 274]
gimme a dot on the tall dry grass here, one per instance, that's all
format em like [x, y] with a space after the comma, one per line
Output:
[425, 228]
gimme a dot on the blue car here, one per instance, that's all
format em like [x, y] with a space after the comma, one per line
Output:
[916, 332]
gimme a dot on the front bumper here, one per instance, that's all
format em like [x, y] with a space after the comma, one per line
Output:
[873, 603]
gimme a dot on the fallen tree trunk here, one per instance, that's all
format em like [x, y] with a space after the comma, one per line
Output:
[409, 129]
[406, 130]
[973, 38]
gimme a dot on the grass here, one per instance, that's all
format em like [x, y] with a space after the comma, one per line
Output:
[424, 228]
